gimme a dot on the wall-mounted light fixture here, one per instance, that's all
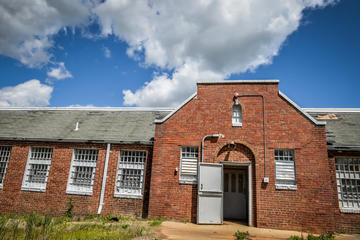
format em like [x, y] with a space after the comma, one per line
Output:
[236, 98]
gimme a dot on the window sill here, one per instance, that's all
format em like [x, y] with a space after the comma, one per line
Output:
[33, 189]
[79, 193]
[350, 210]
[187, 182]
[127, 196]
[237, 125]
[285, 187]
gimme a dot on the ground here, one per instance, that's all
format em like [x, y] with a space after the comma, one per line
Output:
[179, 230]
[119, 227]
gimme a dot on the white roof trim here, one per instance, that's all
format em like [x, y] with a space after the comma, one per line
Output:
[331, 110]
[301, 110]
[176, 109]
[238, 81]
[110, 109]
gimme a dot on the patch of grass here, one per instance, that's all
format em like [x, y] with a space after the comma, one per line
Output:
[323, 236]
[36, 227]
[295, 237]
[156, 221]
[91, 217]
[242, 235]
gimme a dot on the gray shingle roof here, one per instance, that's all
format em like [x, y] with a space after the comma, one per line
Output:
[342, 128]
[98, 125]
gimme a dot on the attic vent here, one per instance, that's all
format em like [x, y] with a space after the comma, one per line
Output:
[326, 116]
[76, 126]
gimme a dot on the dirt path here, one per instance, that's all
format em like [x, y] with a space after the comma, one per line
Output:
[188, 231]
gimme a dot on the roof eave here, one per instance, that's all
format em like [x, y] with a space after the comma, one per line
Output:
[344, 148]
[239, 81]
[297, 107]
[176, 109]
[74, 140]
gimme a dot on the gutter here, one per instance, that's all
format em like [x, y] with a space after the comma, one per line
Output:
[74, 140]
[344, 148]
[101, 203]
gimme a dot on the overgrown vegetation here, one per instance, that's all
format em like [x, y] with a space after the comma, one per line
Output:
[69, 209]
[34, 227]
[242, 235]
[156, 221]
[323, 236]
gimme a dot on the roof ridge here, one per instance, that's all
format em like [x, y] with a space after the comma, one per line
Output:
[144, 109]
[330, 110]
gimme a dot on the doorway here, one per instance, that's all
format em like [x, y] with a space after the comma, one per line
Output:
[235, 193]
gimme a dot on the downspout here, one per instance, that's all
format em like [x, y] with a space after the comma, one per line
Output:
[101, 203]
[264, 127]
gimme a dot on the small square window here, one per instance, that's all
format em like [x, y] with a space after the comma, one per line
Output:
[82, 171]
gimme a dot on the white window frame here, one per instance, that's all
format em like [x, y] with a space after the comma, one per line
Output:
[186, 174]
[5, 152]
[137, 163]
[79, 189]
[43, 159]
[285, 183]
[236, 115]
[348, 177]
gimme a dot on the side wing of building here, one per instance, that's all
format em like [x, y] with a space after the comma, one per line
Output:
[49, 156]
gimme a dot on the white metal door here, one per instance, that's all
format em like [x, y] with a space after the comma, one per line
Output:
[210, 194]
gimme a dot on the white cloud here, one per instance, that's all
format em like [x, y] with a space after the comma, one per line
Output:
[26, 27]
[107, 52]
[210, 39]
[27, 94]
[59, 72]
[167, 91]
[81, 106]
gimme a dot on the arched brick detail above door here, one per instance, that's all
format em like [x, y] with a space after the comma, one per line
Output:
[235, 152]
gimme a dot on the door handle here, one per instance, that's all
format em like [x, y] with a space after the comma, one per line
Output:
[201, 186]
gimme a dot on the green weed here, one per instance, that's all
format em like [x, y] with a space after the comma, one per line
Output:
[323, 236]
[242, 235]
[69, 209]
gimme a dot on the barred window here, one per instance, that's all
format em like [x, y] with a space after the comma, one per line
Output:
[236, 115]
[348, 183]
[130, 174]
[4, 159]
[82, 171]
[285, 169]
[37, 169]
[188, 164]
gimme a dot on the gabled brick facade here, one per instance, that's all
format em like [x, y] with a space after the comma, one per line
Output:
[312, 207]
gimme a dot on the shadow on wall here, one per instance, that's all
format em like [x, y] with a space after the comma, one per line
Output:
[194, 195]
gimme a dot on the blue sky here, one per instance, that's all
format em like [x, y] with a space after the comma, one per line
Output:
[89, 61]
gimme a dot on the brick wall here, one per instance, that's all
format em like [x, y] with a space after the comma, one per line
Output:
[210, 112]
[55, 200]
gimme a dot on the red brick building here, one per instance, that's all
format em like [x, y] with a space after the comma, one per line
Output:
[234, 150]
